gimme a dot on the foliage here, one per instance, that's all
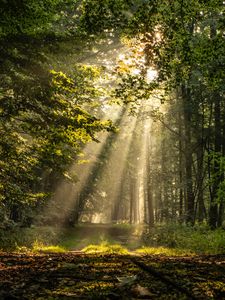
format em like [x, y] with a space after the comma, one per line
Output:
[42, 248]
[169, 240]
[183, 41]
[219, 159]
[98, 16]
[185, 239]
[22, 239]
[26, 17]
[163, 251]
[31, 139]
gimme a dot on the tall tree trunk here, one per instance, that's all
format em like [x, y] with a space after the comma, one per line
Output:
[213, 210]
[181, 190]
[133, 213]
[158, 199]
[116, 210]
[200, 196]
[149, 190]
[190, 205]
[201, 213]
[165, 194]
[222, 201]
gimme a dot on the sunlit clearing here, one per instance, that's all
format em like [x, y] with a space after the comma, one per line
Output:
[108, 183]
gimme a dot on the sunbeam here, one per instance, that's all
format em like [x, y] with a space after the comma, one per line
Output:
[108, 181]
[107, 185]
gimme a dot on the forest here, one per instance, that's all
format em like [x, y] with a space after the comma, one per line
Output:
[112, 149]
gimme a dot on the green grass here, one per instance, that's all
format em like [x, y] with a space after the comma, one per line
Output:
[162, 239]
[16, 238]
[106, 248]
[163, 251]
[39, 247]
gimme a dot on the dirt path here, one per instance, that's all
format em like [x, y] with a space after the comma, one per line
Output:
[80, 276]
[81, 236]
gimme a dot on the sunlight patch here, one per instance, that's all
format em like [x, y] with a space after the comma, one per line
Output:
[41, 248]
[164, 251]
[105, 249]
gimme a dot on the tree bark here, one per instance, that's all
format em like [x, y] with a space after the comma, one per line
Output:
[149, 191]
[186, 97]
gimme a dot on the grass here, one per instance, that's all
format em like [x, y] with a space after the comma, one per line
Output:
[16, 238]
[74, 239]
[106, 248]
[41, 248]
[168, 239]
[163, 251]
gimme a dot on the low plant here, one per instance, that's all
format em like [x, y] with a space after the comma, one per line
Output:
[41, 248]
[17, 238]
[197, 239]
[106, 248]
[163, 251]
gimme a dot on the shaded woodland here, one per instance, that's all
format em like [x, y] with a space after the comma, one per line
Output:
[112, 111]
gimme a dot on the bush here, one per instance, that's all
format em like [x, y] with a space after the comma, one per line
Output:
[198, 239]
[14, 238]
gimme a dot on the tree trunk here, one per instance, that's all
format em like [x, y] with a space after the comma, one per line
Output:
[133, 215]
[190, 205]
[213, 210]
[181, 190]
[149, 191]
[200, 197]
[222, 201]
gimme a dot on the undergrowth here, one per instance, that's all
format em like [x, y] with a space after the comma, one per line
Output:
[42, 248]
[197, 239]
[18, 238]
[163, 251]
[168, 239]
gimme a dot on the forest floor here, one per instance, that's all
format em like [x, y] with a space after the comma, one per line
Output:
[113, 273]
[76, 275]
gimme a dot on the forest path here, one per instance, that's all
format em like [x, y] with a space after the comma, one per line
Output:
[75, 275]
[129, 236]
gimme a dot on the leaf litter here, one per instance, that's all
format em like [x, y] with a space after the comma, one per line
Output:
[111, 276]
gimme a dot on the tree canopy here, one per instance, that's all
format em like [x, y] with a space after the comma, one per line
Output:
[47, 115]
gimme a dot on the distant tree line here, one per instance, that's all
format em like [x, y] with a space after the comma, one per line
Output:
[184, 41]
